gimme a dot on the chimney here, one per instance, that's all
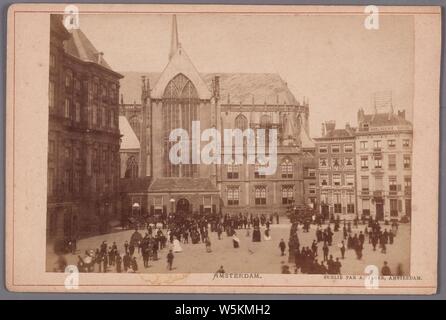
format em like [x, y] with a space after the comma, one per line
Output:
[323, 129]
[100, 57]
[347, 127]
[330, 126]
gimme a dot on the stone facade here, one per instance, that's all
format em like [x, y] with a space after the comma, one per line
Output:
[156, 103]
[83, 137]
[384, 164]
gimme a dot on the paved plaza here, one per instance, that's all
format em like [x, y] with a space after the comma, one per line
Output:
[261, 257]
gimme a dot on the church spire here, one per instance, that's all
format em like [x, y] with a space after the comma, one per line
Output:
[174, 43]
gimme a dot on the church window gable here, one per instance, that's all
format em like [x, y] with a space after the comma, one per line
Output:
[180, 108]
[132, 168]
[241, 122]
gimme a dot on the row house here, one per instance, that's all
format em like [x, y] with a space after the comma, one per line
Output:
[336, 176]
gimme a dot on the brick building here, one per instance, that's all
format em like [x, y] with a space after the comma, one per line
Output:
[336, 171]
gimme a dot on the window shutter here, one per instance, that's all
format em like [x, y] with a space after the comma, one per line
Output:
[400, 205]
[164, 210]
[201, 209]
[152, 210]
[214, 209]
[343, 210]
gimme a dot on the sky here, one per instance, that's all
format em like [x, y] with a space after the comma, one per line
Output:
[331, 60]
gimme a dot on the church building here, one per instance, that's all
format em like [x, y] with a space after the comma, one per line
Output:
[153, 104]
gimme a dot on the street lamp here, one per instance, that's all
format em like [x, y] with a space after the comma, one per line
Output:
[172, 203]
[135, 206]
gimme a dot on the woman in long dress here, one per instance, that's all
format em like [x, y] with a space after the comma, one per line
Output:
[235, 241]
[267, 235]
[256, 237]
[176, 245]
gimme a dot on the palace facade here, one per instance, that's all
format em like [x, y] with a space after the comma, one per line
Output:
[83, 136]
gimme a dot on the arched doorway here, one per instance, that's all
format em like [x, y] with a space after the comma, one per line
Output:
[183, 206]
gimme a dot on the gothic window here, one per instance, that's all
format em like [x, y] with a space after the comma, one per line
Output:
[241, 122]
[233, 171]
[233, 196]
[132, 168]
[259, 171]
[287, 169]
[265, 121]
[287, 194]
[180, 108]
[260, 195]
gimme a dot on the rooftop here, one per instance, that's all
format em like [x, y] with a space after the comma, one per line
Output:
[79, 46]
[129, 139]
[235, 88]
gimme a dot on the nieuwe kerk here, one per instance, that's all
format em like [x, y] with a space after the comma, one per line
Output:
[153, 104]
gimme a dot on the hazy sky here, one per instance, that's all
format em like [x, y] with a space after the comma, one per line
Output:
[330, 59]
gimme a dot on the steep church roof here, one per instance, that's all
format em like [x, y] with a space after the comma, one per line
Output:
[306, 141]
[235, 88]
[129, 139]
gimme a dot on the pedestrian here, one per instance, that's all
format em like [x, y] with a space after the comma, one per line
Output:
[126, 261]
[134, 265]
[391, 235]
[126, 246]
[104, 262]
[221, 270]
[337, 266]
[385, 270]
[325, 251]
[170, 260]
[282, 247]
[342, 250]
[208, 245]
[118, 262]
[314, 248]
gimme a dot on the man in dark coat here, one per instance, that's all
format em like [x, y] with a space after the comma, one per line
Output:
[385, 270]
[325, 251]
[118, 262]
[170, 260]
[282, 247]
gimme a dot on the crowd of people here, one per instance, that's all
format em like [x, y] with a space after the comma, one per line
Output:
[166, 238]
[172, 234]
[306, 259]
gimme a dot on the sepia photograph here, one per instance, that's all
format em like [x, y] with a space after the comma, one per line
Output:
[213, 149]
[128, 193]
